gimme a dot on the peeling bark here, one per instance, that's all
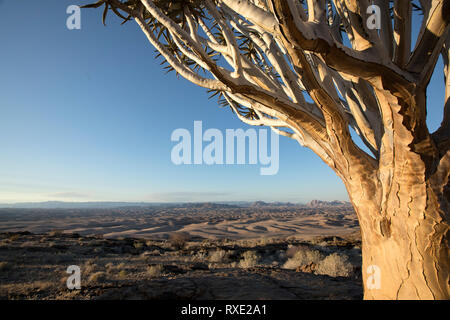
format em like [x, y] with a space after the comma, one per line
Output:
[409, 243]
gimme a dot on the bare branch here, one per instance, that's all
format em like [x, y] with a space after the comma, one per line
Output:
[428, 46]
[402, 28]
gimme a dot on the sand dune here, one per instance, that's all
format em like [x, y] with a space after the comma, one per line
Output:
[232, 223]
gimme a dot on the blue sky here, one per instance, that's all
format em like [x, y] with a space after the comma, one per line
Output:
[87, 115]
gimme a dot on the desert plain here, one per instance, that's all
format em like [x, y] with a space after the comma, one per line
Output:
[182, 251]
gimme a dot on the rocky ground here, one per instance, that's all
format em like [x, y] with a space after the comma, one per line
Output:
[34, 266]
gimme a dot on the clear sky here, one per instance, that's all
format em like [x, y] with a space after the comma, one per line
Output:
[87, 115]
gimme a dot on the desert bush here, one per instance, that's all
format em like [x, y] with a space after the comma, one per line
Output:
[97, 277]
[14, 237]
[155, 270]
[178, 240]
[302, 256]
[43, 239]
[109, 266]
[88, 267]
[251, 258]
[150, 243]
[335, 265]
[218, 256]
[123, 274]
[28, 244]
[155, 252]
[55, 233]
[292, 250]
[206, 243]
[121, 266]
[200, 256]
[113, 268]
[138, 245]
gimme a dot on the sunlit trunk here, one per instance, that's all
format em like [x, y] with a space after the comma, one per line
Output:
[404, 243]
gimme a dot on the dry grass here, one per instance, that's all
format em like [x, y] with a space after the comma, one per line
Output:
[138, 245]
[155, 270]
[97, 277]
[123, 274]
[55, 233]
[29, 259]
[251, 258]
[88, 268]
[301, 256]
[178, 240]
[14, 237]
[335, 265]
[218, 256]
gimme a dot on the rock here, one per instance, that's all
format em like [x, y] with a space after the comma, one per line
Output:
[307, 268]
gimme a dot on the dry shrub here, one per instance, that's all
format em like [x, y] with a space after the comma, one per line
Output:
[109, 267]
[97, 277]
[178, 239]
[28, 244]
[138, 245]
[88, 267]
[301, 256]
[55, 233]
[200, 256]
[335, 265]
[123, 274]
[155, 270]
[14, 237]
[146, 254]
[218, 256]
[251, 258]
[121, 266]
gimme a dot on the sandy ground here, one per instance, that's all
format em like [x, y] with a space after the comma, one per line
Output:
[192, 252]
[203, 223]
[34, 266]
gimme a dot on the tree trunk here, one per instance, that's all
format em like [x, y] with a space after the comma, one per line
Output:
[404, 238]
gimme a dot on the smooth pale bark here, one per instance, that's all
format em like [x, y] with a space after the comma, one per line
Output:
[408, 243]
[404, 225]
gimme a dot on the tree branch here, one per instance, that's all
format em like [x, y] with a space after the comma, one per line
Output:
[402, 28]
[429, 45]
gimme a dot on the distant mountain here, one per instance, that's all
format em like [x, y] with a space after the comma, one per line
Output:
[323, 204]
[259, 204]
[205, 205]
[200, 205]
[110, 205]
[272, 204]
[76, 205]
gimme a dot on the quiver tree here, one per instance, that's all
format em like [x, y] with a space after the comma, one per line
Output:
[313, 70]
